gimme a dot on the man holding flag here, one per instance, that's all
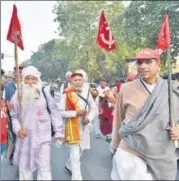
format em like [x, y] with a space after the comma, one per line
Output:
[14, 35]
[141, 132]
[141, 122]
[33, 140]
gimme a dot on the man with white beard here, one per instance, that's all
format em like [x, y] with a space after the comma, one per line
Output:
[78, 112]
[33, 141]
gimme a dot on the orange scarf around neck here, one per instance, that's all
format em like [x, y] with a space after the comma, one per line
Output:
[72, 132]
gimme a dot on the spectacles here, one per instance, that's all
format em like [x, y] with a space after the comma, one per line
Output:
[20, 68]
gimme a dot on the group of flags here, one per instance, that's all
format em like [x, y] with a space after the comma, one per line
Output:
[163, 40]
[105, 39]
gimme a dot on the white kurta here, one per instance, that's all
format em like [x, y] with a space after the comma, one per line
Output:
[92, 113]
[96, 120]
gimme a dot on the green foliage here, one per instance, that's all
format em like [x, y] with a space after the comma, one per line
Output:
[133, 28]
[78, 22]
[143, 22]
[76, 47]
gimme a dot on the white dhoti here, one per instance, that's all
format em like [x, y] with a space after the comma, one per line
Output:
[76, 151]
[44, 170]
[97, 126]
[127, 166]
[73, 162]
[28, 175]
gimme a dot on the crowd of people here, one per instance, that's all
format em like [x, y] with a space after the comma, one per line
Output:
[132, 115]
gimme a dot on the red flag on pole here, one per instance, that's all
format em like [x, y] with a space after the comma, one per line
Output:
[15, 29]
[105, 38]
[163, 41]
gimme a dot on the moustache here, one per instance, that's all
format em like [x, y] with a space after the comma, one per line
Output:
[30, 92]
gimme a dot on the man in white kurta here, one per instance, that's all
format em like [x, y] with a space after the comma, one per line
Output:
[33, 138]
[76, 150]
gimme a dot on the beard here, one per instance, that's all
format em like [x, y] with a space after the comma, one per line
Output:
[30, 93]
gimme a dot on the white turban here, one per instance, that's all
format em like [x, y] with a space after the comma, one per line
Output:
[68, 73]
[31, 70]
[83, 73]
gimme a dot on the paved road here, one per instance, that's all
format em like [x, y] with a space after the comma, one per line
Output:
[96, 163]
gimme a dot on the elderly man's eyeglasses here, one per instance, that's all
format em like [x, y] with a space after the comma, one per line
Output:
[20, 68]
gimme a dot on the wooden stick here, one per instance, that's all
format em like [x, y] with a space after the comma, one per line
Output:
[18, 80]
[170, 91]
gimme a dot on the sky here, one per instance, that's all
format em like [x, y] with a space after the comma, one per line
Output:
[37, 27]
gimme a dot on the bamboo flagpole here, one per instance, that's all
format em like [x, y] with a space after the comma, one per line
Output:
[105, 40]
[163, 43]
[19, 96]
[170, 92]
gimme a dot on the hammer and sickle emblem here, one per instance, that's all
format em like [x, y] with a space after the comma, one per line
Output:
[14, 34]
[110, 41]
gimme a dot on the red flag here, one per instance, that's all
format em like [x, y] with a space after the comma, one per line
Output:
[163, 41]
[15, 29]
[105, 38]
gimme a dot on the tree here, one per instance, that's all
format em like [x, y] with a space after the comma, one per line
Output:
[78, 24]
[76, 47]
[44, 60]
[143, 22]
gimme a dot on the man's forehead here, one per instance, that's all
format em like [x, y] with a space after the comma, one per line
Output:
[146, 60]
[76, 77]
[29, 76]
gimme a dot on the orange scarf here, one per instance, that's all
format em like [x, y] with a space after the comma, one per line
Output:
[72, 132]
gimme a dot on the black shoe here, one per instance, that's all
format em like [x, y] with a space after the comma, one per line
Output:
[69, 171]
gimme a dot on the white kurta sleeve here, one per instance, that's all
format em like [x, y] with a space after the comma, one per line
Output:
[14, 113]
[62, 88]
[93, 110]
[4, 93]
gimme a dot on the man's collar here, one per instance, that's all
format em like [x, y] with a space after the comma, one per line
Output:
[147, 83]
[78, 91]
[73, 90]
